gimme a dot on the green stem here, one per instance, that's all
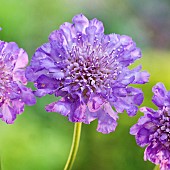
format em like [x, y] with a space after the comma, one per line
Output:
[0, 163]
[156, 167]
[74, 147]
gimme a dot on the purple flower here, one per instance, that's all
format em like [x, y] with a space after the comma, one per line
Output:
[13, 92]
[89, 70]
[153, 129]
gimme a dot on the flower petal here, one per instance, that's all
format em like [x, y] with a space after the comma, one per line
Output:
[8, 114]
[22, 59]
[133, 97]
[61, 107]
[95, 103]
[81, 22]
[106, 123]
[159, 91]
[142, 137]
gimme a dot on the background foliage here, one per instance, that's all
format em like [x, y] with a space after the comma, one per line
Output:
[40, 140]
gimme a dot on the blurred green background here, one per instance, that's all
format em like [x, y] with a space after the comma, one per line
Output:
[41, 141]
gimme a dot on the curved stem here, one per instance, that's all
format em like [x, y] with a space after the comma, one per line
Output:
[156, 167]
[74, 147]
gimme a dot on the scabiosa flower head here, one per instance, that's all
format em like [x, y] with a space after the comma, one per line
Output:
[13, 92]
[89, 70]
[153, 129]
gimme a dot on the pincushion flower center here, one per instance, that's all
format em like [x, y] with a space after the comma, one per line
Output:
[5, 80]
[91, 69]
[163, 130]
[5, 73]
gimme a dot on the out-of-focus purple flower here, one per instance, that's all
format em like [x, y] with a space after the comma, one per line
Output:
[13, 92]
[89, 70]
[153, 129]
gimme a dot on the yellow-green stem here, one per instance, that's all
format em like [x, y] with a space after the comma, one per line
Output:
[156, 167]
[0, 163]
[74, 147]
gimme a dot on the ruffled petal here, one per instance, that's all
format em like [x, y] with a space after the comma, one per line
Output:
[129, 102]
[98, 24]
[61, 107]
[108, 109]
[26, 95]
[167, 100]
[19, 75]
[44, 82]
[18, 106]
[68, 32]
[141, 77]
[22, 60]
[91, 32]
[90, 116]
[142, 137]
[159, 91]
[95, 103]
[77, 113]
[10, 48]
[106, 123]
[134, 129]
[8, 113]
[42, 92]
[80, 23]
[31, 75]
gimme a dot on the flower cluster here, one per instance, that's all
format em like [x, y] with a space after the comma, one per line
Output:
[89, 70]
[13, 92]
[153, 129]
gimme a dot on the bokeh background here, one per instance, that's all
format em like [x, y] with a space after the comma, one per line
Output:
[41, 141]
